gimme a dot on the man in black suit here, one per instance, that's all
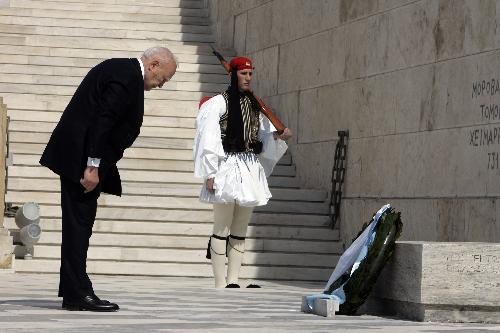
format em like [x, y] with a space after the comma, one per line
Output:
[102, 119]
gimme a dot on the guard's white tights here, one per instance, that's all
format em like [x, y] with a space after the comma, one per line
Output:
[230, 219]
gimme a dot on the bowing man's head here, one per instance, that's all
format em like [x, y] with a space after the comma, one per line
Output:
[159, 67]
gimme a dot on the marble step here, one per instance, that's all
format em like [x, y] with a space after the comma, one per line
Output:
[157, 36]
[138, 153]
[158, 189]
[189, 256]
[146, 165]
[148, 121]
[131, 45]
[40, 128]
[192, 270]
[134, 175]
[77, 73]
[87, 63]
[196, 216]
[125, 163]
[89, 56]
[126, 175]
[141, 142]
[150, 3]
[188, 66]
[131, 153]
[103, 24]
[155, 164]
[109, 8]
[158, 94]
[171, 202]
[46, 104]
[200, 242]
[190, 229]
[72, 81]
[104, 16]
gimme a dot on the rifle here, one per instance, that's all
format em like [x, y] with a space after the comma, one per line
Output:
[263, 107]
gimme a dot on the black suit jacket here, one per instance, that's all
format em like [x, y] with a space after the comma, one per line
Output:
[102, 119]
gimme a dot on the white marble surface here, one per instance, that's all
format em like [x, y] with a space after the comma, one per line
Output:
[443, 281]
[152, 304]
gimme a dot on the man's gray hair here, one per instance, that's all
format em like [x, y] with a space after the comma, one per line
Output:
[162, 52]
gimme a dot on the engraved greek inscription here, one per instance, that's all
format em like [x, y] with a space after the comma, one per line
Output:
[473, 263]
[485, 87]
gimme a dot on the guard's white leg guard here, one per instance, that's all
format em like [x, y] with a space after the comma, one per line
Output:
[235, 250]
[223, 217]
[236, 242]
[218, 254]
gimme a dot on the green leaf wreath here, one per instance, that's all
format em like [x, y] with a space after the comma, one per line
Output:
[358, 286]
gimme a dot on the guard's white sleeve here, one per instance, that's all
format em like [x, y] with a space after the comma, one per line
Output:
[272, 150]
[207, 148]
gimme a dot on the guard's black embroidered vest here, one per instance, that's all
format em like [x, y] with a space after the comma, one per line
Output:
[250, 125]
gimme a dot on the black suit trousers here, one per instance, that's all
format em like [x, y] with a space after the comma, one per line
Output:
[78, 215]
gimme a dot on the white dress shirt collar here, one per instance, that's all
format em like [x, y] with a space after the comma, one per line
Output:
[142, 67]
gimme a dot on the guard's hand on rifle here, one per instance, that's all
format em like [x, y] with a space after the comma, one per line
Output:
[287, 134]
[210, 185]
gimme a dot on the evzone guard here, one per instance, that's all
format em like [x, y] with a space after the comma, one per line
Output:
[236, 148]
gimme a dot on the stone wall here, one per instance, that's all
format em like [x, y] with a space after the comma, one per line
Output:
[415, 82]
[5, 238]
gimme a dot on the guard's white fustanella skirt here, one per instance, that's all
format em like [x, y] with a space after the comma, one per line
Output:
[241, 179]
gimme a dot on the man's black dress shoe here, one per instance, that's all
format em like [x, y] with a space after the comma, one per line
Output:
[233, 285]
[102, 301]
[253, 286]
[89, 303]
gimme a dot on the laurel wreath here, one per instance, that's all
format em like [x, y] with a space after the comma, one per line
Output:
[357, 286]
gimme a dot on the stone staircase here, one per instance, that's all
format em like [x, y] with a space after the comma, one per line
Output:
[158, 227]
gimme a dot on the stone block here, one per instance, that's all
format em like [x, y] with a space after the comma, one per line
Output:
[402, 37]
[286, 107]
[449, 33]
[384, 5]
[354, 166]
[4, 3]
[452, 282]
[294, 19]
[314, 163]
[224, 28]
[355, 9]
[356, 49]
[381, 104]
[265, 75]
[466, 219]
[240, 6]
[322, 307]
[326, 110]
[259, 28]
[312, 61]
[240, 33]
[6, 257]
[480, 25]
[497, 222]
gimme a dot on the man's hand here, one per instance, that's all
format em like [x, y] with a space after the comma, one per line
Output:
[287, 134]
[90, 178]
[210, 185]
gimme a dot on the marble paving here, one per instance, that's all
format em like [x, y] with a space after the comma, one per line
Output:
[28, 303]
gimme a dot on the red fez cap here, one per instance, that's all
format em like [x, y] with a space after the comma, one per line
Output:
[241, 63]
[203, 100]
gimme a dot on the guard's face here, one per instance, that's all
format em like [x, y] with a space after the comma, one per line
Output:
[156, 74]
[244, 79]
